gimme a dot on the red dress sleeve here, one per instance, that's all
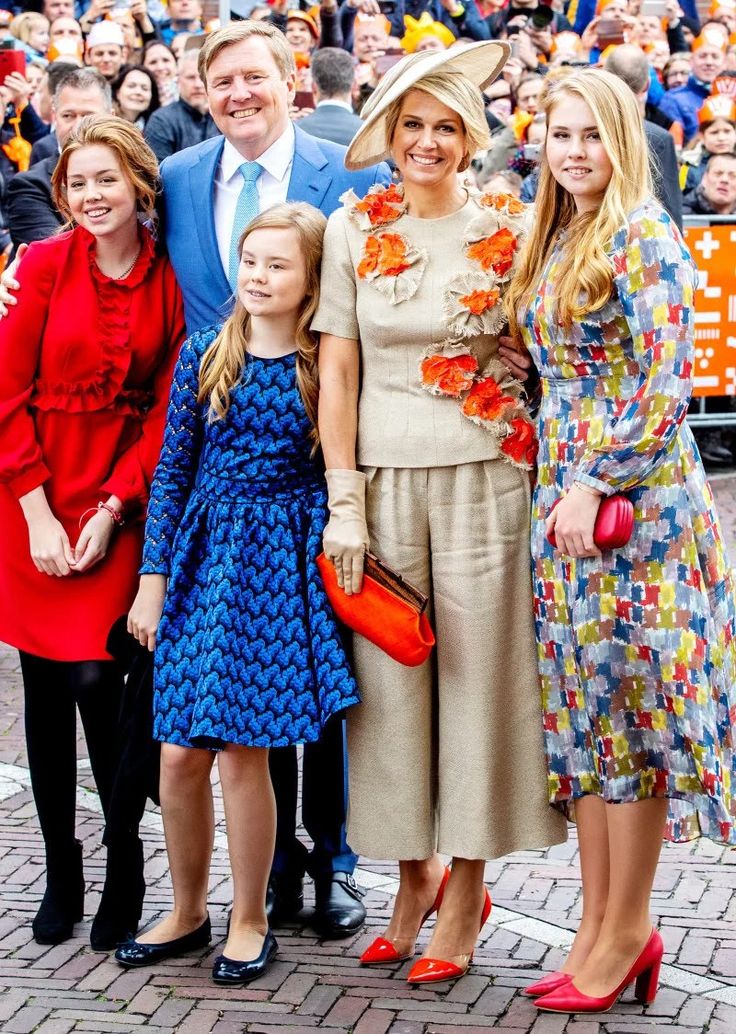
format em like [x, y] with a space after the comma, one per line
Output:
[130, 478]
[22, 466]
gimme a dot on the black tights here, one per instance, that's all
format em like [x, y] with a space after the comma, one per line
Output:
[53, 691]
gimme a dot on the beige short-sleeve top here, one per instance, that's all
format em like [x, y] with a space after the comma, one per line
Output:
[424, 299]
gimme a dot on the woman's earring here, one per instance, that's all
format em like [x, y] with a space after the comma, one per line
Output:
[464, 163]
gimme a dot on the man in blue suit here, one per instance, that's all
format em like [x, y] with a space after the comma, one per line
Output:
[249, 71]
[249, 77]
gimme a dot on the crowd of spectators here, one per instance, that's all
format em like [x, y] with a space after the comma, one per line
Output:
[139, 58]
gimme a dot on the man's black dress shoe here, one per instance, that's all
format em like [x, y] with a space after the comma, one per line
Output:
[338, 909]
[134, 953]
[284, 898]
[230, 971]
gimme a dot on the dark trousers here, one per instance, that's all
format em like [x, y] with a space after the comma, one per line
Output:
[53, 692]
[324, 800]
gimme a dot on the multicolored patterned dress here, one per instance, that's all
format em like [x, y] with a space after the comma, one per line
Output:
[637, 646]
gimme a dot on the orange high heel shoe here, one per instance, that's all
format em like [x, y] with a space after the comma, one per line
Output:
[382, 951]
[645, 971]
[547, 984]
[430, 971]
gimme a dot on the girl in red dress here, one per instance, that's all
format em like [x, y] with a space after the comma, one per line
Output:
[86, 358]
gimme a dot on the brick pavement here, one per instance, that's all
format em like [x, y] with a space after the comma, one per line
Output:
[318, 985]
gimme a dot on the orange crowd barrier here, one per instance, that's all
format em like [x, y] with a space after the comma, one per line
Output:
[713, 248]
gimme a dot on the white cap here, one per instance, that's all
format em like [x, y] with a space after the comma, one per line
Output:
[105, 32]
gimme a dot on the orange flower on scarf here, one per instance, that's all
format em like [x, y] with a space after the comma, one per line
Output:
[382, 206]
[486, 401]
[384, 254]
[479, 302]
[502, 203]
[521, 444]
[448, 375]
[495, 252]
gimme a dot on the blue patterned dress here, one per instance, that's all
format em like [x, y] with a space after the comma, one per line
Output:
[248, 650]
[637, 646]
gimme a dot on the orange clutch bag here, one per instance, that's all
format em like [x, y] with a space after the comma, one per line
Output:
[388, 610]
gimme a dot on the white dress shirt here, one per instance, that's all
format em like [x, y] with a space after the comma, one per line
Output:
[272, 185]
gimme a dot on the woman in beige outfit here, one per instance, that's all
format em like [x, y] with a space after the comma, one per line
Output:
[427, 445]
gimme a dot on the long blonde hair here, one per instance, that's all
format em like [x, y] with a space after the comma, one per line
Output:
[585, 278]
[224, 361]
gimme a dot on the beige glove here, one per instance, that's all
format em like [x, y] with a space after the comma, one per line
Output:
[345, 538]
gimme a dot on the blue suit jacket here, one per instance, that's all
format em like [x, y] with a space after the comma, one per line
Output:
[318, 176]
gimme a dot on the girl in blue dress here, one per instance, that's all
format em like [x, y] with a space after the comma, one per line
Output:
[248, 653]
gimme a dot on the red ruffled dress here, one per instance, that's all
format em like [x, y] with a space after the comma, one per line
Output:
[85, 368]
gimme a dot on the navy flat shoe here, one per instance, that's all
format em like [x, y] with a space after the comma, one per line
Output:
[230, 971]
[134, 953]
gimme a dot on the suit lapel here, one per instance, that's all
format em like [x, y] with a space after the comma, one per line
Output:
[310, 177]
[202, 192]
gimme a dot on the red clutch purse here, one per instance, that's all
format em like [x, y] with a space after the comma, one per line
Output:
[388, 610]
[613, 525]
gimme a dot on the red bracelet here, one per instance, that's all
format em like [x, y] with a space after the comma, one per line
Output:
[117, 518]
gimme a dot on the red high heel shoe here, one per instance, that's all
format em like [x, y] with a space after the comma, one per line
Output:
[645, 971]
[382, 951]
[549, 983]
[430, 971]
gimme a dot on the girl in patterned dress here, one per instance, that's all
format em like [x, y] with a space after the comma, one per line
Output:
[636, 645]
[248, 654]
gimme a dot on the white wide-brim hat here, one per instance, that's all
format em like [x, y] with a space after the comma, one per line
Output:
[480, 63]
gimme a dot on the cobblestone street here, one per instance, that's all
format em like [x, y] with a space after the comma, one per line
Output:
[319, 985]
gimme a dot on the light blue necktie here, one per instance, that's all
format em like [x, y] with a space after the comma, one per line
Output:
[245, 210]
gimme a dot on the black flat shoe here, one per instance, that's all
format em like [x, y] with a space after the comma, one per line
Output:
[229, 971]
[338, 909]
[134, 953]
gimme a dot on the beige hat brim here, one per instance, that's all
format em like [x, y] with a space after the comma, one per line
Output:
[479, 62]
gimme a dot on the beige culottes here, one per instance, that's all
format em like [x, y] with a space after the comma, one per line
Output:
[449, 756]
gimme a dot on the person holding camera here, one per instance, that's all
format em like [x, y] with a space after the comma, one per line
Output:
[539, 14]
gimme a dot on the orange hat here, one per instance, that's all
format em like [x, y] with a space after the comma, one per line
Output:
[724, 84]
[380, 19]
[302, 16]
[66, 49]
[718, 106]
[722, 5]
[425, 25]
[711, 37]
